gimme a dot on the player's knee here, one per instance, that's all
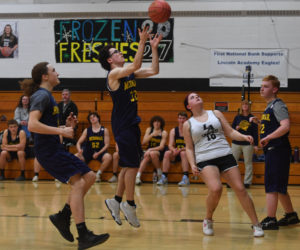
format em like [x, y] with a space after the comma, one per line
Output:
[183, 154]
[216, 190]
[153, 154]
[21, 154]
[108, 157]
[4, 154]
[168, 154]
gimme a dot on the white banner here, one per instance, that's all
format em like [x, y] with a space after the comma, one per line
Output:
[227, 66]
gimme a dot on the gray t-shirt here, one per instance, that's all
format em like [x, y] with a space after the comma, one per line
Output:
[280, 109]
[39, 101]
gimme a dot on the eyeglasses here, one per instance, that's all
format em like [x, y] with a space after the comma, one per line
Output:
[115, 52]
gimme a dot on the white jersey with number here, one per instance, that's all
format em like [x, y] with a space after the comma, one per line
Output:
[208, 137]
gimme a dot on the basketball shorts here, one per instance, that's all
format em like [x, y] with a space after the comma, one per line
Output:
[223, 163]
[88, 156]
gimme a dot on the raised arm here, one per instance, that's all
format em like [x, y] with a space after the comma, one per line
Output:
[154, 69]
[81, 140]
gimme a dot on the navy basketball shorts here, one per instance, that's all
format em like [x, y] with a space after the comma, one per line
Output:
[61, 164]
[223, 163]
[277, 167]
[130, 149]
[88, 156]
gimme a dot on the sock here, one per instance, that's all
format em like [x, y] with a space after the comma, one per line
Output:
[82, 229]
[2, 172]
[138, 175]
[22, 172]
[118, 198]
[165, 174]
[99, 172]
[36, 174]
[159, 171]
[131, 203]
[66, 211]
[186, 173]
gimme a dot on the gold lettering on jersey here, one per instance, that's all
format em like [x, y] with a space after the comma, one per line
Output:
[179, 141]
[244, 125]
[155, 140]
[96, 138]
[129, 84]
[55, 110]
[265, 117]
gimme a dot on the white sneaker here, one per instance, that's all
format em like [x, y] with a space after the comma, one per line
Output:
[130, 214]
[114, 208]
[258, 231]
[113, 179]
[138, 180]
[98, 177]
[35, 178]
[208, 227]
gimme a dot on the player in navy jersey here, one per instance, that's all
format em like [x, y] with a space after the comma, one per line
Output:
[50, 153]
[156, 137]
[274, 131]
[93, 144]
[122, 87]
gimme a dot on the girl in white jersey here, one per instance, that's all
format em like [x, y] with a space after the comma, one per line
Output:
[210, 156]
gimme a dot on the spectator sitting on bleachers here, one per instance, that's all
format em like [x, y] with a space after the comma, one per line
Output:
[176, 153]
[22, 114]
[156, 138]
[13, 146]
[96, 142]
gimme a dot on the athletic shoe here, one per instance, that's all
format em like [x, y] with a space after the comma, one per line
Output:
[113, 179]
[35, 178]
[2, 178]
[163, 180]
[114, 208]
[138, 180]
[130, 214]
[289, 219]
[184, 181]
[20, 178]
[91, 239]
[62, 224]
[269, 223]
[208, 227]
[154, 178]
[98, 176]
[247, 186]
[258, 231]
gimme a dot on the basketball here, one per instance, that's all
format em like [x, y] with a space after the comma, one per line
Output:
[159, 11]
[6, 51]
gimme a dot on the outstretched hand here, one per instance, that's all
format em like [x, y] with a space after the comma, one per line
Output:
[155, 40]
[71, 120]
[144, 34]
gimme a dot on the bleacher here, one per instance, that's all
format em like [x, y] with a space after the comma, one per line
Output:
[165, 104]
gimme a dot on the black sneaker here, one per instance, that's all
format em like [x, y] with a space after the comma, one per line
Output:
[289, 219]
[62, 223]
[20, 178]
[247, 186]
[91, 239]
[269, 223]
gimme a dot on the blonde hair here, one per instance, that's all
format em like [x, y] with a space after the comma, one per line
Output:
[249, 105]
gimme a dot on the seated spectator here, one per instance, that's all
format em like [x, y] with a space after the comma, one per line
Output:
[176, 153]
[115, 166]
[96, 142]
[13, 147]
[156, 138]
[66, 107]
[22, 114]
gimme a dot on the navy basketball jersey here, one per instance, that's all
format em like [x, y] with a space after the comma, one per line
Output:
[124, 113]
[179, 140]
[94, 141]
[49, 117]
[155, 140]
[269, 124]
[10, 141]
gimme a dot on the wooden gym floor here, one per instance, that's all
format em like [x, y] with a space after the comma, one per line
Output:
[170, 218]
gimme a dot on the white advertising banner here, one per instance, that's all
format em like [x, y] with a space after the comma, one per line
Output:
[227, 66]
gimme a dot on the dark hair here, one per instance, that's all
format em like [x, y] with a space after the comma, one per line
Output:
[12, 37]
[159, 119]
[182, 113]
[12, 122]
[29, 86]
[20, 105]
[95, 114]
[104, 55]
[186, 102]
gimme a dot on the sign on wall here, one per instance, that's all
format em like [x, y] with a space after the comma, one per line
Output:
[8, 39]
[79, 41]
[227, 66]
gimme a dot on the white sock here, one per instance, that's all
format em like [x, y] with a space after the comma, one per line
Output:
[138, 175]
[99, 172]
[159, 172]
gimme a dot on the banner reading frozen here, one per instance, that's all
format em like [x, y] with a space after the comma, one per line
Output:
[227, 66]
[8, 39]
[79, 41]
